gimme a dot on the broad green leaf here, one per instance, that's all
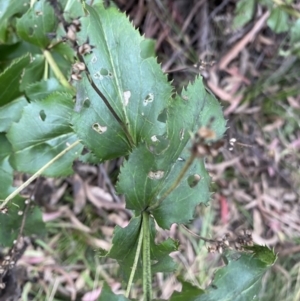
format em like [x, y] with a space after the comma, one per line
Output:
[44, 88]
[278, 20]
[10, 223]
[108, 295]
[295, 32]
[37, 23]
[180, 205]
[72, 9]
[10, 80]
[239, 280]
[65, 50]
[263, 253]
[33, 72]
[6, 171]
[11, 112]
[152, 168]
[95, 125]
[8, 9]
[124, 246]
[147, 48]
[10, 52]
[243, 13]
[188, 292]
[135, 86]
[42, 133]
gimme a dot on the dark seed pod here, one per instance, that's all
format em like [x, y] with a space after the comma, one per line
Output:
[85, 49]
[76, 77]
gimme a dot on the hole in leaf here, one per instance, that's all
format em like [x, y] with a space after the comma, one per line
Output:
[156, 175]
[158, 144]
[30, 31]
[149, 98]
[94, 59]
[154, 138]
[193, 180]
[110, 74]
[181, 134]
[103, 72]
[98, 128]
[162, 117]
[126, 96]
[97, 75]
[43, 115]
[86, 103]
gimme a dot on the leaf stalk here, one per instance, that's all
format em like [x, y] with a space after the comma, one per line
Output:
[147, 287]
[135, 262]
[56, 70]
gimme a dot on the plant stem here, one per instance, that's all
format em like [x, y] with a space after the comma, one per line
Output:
[147, 279]
[136, 258]
[45, 77]
[56, 70]
[175, 184]
[37, 174]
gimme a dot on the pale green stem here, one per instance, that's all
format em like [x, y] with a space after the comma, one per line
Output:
[32, 3]
[46, 70]
[175, 184]
[147, 278]
[56, 70]
[37, 174]
[136, 259]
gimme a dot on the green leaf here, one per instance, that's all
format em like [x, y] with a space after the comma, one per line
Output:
[95, 125]
[10, 52]
[180, 205]
[11, 112]
[6, 171]
[147, 48]
[295, 32]
[163, 158]
[44, 88]
[263, 253]
[135, 86]
[33, 72]
[9, 8]
[243, 13]
[239, 280]
[268, 3]
[188, 292]
[278, 20]
[38, 22]
[108, 295]
[10, 223]
[42, 133]
[124, 247]
[10, 80]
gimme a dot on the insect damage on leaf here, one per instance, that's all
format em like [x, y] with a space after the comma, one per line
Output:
[193, 180]
[126, 96]
[149, 98]
[98, 128]
[156, 175]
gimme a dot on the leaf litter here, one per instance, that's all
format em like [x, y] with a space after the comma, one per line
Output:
[256, 184]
